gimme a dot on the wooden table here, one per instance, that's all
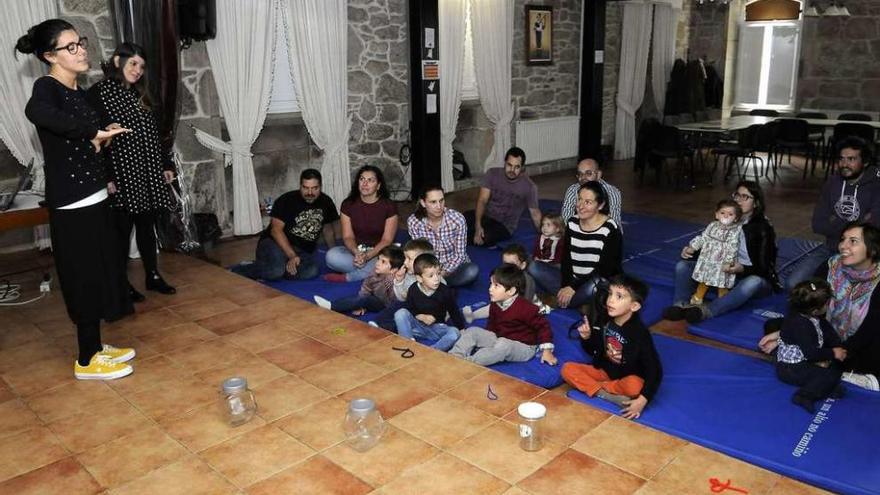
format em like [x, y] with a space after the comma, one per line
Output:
[25, 212]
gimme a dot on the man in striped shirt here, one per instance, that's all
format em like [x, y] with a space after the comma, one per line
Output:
[587, 170]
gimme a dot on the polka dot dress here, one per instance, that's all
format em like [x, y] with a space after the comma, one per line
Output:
[136, 156]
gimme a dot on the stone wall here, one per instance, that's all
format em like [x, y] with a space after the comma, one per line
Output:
[840, 60]
[546, 91]
[707, 33]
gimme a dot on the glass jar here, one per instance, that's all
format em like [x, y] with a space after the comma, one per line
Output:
[363, 425]
[239, 402]
[531, 429]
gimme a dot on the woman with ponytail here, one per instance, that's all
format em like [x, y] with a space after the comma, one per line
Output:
[83, 237]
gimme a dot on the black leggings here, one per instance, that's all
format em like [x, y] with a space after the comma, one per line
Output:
[815, 382]
[145, 234]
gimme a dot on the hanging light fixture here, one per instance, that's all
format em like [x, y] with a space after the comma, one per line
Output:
[832, 11]
[812, 12]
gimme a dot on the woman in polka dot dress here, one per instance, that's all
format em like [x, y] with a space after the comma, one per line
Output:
[141, 166]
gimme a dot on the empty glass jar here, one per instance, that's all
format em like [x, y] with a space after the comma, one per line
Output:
[531, 428]
[363, 425]
[239, 402]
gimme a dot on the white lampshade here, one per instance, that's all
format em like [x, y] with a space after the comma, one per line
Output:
[811, 12]
[843, 10]
[832, 11]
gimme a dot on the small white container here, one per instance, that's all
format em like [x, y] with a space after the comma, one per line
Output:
[531, 429]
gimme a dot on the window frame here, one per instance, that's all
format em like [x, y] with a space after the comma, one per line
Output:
[765, 63]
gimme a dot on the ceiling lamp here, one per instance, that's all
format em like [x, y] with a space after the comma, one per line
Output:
[811, 12]
[832, 11]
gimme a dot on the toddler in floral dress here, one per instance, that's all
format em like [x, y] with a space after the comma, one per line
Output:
[718, 246]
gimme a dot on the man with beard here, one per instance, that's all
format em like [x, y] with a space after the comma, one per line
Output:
[851, 195]
[504, 193]
[587, 170]
[286, 247]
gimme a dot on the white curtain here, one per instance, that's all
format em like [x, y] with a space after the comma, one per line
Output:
[635, 43]
[317, 43]
[17, 75]
[663, 54]
[492, 23]
[241, 59]
[452, 35]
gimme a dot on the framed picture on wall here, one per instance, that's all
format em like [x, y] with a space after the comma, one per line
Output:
[539, 35]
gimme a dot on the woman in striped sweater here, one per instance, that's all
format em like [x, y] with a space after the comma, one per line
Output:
[594, 250]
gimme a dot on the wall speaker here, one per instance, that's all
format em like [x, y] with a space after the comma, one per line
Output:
[198, 20]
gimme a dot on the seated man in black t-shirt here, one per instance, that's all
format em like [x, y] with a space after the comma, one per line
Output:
[286, 246]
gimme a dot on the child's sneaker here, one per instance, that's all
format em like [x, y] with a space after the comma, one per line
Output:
[544, 309]
[101, 367]
[865, 381]
[116, 354]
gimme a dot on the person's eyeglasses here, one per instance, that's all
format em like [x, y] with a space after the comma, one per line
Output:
[73, 48]
[849, 159]
[587, 202]
[741, 197]
[588, 173]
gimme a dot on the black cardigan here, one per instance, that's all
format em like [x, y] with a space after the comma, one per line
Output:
[761, 246]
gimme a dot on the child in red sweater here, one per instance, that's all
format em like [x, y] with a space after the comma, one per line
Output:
[516, 330]
[626, 368]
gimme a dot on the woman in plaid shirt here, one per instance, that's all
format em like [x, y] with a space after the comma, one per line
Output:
[446, 230]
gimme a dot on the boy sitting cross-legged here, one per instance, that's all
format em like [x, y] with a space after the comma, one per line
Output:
[626, 369]
[516, 330]
[377, 290]
[427, 304]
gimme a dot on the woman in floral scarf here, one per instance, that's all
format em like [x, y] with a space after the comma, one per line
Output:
[854, 311]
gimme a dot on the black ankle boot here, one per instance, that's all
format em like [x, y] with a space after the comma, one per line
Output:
[134, 295]
[156, 283]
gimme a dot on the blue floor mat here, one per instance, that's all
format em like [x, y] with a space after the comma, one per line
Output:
[734, 404]
[745, 326]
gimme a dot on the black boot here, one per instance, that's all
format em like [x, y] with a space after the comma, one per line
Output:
[156, 283]
[134, 295]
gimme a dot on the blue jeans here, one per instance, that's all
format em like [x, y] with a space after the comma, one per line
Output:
[350, 303]
[410, 328]
[465, 274]
[745, 289]
[548, 278]
[339, 259]
[271, 264]
[807, 266]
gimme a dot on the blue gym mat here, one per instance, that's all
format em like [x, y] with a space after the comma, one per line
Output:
[734, 404]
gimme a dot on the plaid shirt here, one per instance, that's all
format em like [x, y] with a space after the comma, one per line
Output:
[615, 200]
[449, 241]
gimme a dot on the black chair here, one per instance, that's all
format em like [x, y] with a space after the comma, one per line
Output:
[644, 143]
[765, 141]
[669, 144]
[842, 131]
[858, 117]
[744, 149]
[817, 132]
[793, 135]
[764, 112]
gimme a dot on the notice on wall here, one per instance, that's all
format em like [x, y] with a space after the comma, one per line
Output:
[431, 103]
[429, 37]
[430, 70]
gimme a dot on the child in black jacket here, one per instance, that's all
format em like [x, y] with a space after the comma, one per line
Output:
[809, 346]
[626, 369]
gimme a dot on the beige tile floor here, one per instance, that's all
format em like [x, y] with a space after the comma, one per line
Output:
[159, 431]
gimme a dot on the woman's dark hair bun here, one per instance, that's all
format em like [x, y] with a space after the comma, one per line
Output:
[25, 44]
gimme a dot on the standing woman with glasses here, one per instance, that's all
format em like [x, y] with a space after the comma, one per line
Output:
[369, 223]
[755, 266]
[83, 237]
[141, 166]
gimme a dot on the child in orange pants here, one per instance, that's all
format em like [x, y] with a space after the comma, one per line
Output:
[626, 369]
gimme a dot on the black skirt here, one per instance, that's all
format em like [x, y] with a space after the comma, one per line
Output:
[84, 246]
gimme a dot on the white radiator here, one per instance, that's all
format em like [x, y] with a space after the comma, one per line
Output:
[545, 140]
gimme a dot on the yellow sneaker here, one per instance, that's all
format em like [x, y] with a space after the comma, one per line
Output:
[101, 367]
[117, 354]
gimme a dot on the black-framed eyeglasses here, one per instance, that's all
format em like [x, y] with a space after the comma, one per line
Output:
[588, 173]
[73, 47]
[741, 197]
